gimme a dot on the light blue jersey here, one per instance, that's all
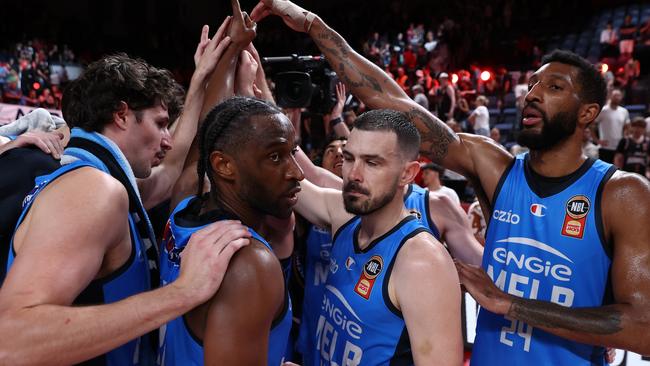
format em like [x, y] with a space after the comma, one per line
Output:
[358, 324]
[317, 260]
[130, 279]
[180, 347]
[545, 241]
[416, 200]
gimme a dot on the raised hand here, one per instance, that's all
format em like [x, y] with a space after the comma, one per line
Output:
[242, 29]
[209, 51]
[294, 16]
[337, 110]
[246, 74]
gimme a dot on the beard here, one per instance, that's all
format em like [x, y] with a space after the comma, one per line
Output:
[359, 205]
[554, 131]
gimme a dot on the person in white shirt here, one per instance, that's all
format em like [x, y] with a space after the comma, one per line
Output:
[480, 117]
[611, 121]
[608, 41]
[431, 173]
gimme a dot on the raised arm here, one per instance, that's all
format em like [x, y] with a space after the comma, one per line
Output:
[623, 325]
[158, 187]
[321, 206]
[473, 156]
[220, 85]
[222, 82]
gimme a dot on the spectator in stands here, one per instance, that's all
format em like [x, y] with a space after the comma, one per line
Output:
[431, 42]
[12, 93]
[628, 75]
[402, 79]
[446, 98]
[480, 117]
[31, 99]
[4, 73]
[627, 33]
[588, 147]
[610, 122]
[431, 173]
[476, 219]
[410, 58]
[47, 100]
[495, 135]
[632, 151]
[419, 97]
[608, 40]
[462, 112]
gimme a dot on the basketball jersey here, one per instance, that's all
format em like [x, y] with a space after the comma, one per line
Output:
[130, 279]
[179, 346]
[545, 243]
[358, 324]
[416, 200]
[317, 258]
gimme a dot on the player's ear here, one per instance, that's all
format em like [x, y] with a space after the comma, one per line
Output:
[410, 171]
[223, 165]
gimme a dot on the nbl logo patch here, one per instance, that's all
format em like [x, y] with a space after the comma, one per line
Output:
[575, 218]
[371, 270]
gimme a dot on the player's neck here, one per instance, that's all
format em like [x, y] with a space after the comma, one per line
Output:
[247, 215]
[561, 160]
[381, 221]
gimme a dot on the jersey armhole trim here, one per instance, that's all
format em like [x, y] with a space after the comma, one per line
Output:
[427, 208]
[600, 228]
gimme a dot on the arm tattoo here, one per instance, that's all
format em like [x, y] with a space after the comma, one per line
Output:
[338, 52]
[602, 320]
[436, 136]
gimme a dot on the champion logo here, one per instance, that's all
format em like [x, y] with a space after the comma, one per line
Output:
[538, 210]
[349, 263]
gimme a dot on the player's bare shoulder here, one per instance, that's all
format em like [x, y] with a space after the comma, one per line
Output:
[625, 202]
[424, 249]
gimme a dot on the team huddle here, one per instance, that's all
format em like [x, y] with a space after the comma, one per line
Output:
[564, 273]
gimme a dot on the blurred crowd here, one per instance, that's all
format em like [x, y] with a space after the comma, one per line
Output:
[27, 76]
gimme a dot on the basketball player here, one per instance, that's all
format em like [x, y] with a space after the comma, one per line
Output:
[443, 217]
[390, 282]
[246, 149]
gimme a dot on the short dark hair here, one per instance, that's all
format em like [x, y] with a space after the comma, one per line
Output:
[226, 128]
[434, 167]
[593, 88]
[408, 137]
[334, 137]
[90, 100]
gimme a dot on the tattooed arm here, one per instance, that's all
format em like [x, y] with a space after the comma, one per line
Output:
[624, 324]
[473, 156]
